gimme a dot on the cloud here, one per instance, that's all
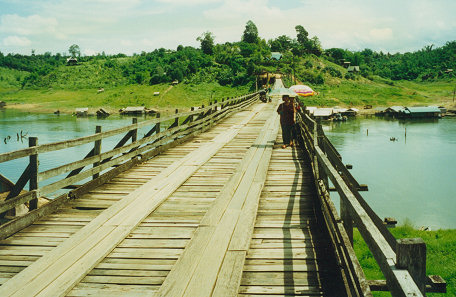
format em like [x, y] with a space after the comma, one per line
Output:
[30, 25]
[381, 34]
[16, 41]
[189, 2]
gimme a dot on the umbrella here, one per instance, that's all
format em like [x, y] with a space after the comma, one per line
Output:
[302, 90]
[282, 91]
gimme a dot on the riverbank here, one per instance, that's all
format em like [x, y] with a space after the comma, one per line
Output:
[441, 252]
[162, 97]
[183, 96]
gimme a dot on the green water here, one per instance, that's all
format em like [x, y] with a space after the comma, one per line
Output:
[51, 128]
[413, 178]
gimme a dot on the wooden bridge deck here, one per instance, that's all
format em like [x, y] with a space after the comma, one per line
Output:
[226, 214]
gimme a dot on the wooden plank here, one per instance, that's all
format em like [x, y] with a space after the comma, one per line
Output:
[195, 274]
[99, 237]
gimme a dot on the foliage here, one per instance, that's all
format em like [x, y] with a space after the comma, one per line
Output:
[250, 33]
[207, 42]
[74, 50]
[441, 251]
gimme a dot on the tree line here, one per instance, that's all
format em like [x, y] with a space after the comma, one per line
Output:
[237, 63]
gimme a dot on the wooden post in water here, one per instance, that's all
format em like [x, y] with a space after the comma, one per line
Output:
[33, 183]
[411, 255]
[97, 150]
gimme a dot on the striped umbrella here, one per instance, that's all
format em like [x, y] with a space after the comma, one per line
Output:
[302, 90]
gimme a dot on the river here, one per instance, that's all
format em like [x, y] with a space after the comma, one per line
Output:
[411, 179]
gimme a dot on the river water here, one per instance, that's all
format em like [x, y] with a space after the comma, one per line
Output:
[413, 178]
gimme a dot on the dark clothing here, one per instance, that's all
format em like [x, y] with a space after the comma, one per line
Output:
[287, 133]
[287, 122]
[286, 114]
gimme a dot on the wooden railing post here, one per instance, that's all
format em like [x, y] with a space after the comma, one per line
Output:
[346, 219]
[157, 125]
[97, 151]
[33, 183]
[321, 172]
[176, 120]
[134, 135]
[411, 255]
[191, 117]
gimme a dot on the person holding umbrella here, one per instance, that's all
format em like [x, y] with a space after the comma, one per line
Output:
[287, 111]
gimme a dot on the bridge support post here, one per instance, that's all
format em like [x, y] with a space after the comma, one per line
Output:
[33, 183]
[97, 150]
[411, 255]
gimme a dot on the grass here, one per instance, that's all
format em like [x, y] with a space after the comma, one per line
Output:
[441, 255]
[380, 93]
[180, 96]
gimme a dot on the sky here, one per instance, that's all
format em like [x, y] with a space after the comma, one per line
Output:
[133, 26]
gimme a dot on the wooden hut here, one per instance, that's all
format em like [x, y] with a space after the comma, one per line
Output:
[133, 110]
[82, 112]
[323, 113]
[421, 112]
[72, 61]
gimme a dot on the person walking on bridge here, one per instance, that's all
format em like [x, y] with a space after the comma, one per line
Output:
[287, 111]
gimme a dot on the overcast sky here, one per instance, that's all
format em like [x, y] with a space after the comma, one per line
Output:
[133, 26]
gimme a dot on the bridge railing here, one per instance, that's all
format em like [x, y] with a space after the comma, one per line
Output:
[403, 261]
[101, 166]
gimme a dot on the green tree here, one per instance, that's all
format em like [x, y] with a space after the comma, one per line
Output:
[302, 35]
[250, 33]
[74, 50]
[207, 42]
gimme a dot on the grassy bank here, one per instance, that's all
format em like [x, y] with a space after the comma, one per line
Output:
[112, 99]
[380, 92]
[441, 255]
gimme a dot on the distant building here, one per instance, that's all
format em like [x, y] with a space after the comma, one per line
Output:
[346, 64]
[276, 56]
[323, 113]
[72, 61]
[393, 111]
[353, 68]
[421, 112]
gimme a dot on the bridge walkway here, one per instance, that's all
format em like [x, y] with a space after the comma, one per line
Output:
[228, 213]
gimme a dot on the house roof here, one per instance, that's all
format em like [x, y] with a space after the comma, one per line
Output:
[134, 108]
[276, 55]
[395, 108]
[353, 68]
[323, 112]
[424, 109]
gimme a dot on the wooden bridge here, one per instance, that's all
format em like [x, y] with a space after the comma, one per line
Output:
[208, 206]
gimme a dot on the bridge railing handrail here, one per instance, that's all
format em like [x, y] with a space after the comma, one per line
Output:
[49, 147]
[183, 126]
[404, 277]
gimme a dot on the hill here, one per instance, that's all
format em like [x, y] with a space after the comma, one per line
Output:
[215, 71]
